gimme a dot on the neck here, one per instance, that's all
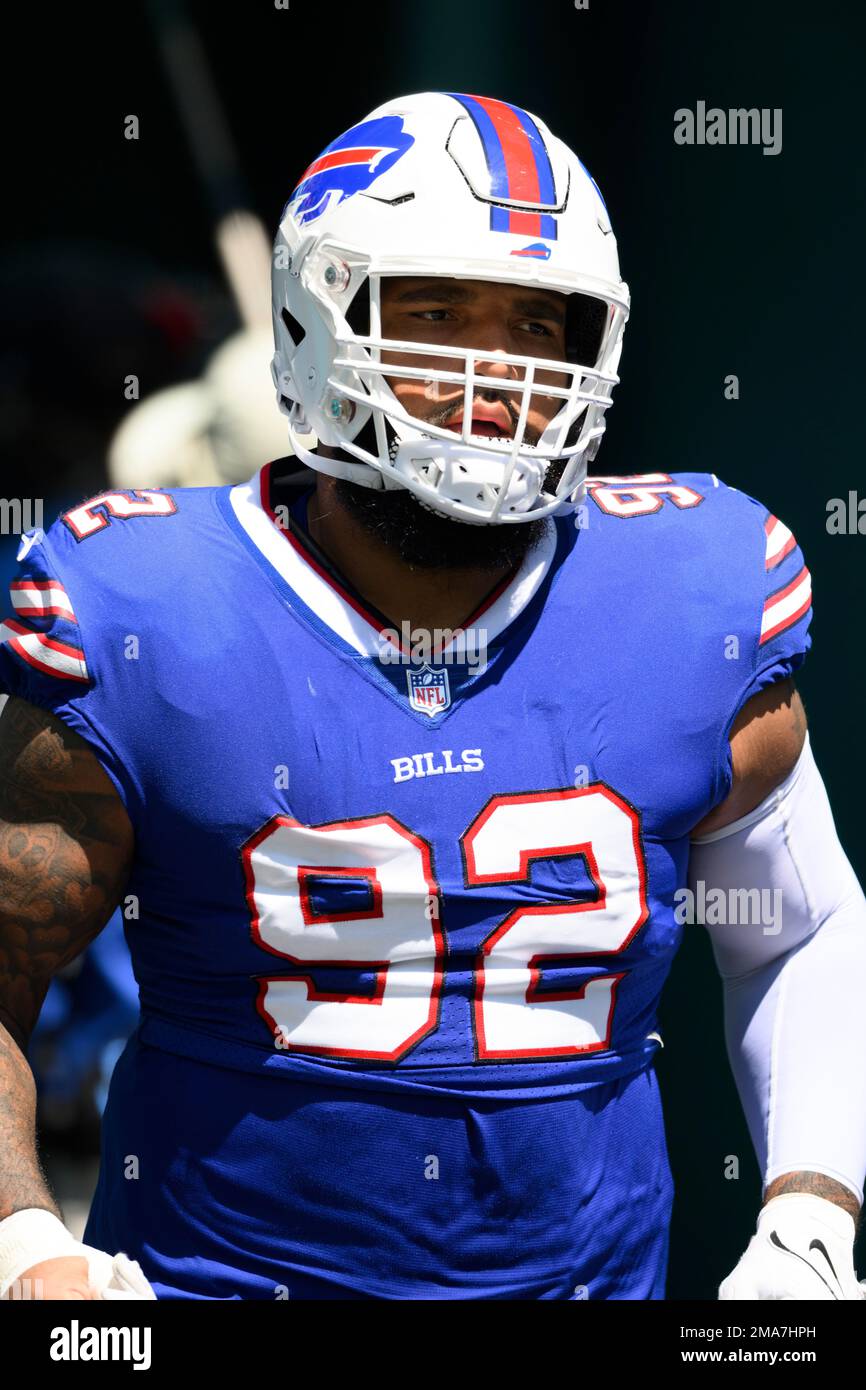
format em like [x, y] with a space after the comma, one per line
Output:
[424, 598]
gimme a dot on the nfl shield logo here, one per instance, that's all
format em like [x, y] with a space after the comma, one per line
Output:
[428, 690]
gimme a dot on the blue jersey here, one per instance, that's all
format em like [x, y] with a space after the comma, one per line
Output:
[394, 894]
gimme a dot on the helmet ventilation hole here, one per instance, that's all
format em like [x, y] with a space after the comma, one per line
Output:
[295, 330]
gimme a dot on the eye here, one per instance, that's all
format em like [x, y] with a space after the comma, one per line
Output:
[538, 330]
[432, 315]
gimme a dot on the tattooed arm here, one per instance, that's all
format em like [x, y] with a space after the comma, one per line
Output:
[65, 852]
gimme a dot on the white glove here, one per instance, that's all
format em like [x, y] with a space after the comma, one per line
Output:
[116, 1276]
[29, 1237]
[803, 1249]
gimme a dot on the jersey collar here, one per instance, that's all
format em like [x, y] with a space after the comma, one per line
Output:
[344, 613]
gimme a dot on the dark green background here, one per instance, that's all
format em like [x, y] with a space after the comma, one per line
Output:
[738, 263]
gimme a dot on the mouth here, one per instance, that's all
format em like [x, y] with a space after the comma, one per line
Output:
[488, 422]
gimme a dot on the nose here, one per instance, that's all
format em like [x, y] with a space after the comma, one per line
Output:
[492, 365]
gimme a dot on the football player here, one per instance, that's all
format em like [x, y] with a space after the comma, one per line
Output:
[399, 759]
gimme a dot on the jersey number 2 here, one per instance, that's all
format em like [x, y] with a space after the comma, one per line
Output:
[95, 514]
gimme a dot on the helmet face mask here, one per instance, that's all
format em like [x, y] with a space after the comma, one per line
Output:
[339, 381]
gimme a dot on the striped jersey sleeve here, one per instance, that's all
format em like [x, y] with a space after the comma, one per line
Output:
[41, 648]
[42, 632]
[788, 602]
[783, 637]
[43, 653]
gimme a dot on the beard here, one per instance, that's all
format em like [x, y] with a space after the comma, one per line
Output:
[426, 540]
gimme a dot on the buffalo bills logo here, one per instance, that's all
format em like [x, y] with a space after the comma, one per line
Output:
[349, 165]
[536, 250]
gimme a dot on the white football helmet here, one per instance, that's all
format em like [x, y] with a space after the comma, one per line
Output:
[442, 184]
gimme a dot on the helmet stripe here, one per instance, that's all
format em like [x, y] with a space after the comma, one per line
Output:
[518, 163]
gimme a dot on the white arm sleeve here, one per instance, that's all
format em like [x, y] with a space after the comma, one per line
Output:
[792, 956]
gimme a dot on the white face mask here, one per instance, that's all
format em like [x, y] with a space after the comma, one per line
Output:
[433, 214]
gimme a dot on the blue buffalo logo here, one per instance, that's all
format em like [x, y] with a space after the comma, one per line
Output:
[536, 250]
[350, 164]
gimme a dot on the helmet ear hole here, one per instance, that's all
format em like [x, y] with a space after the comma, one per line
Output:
[295, 329]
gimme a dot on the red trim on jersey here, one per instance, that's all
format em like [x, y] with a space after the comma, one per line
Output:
[379, 968]
[61, 647]
[788, 589]
[789, 622]
[535, 964]
[144, 501]
[312, 917]
[298, 546]
[792, 618]
[789, 545]
[48, 610]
